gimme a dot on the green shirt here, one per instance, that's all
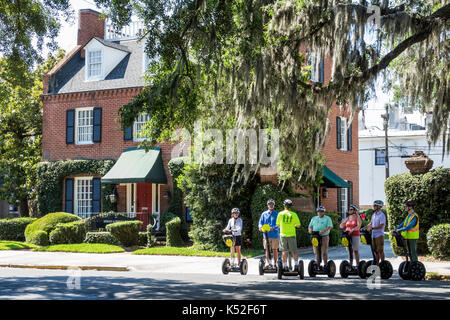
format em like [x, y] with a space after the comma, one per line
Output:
[287, 220]
[319, 224]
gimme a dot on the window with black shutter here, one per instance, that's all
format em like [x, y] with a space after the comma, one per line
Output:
[70, 126]
[338, 133]
[97, 123]
[68, 205]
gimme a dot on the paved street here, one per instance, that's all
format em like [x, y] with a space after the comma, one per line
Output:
[159, 277]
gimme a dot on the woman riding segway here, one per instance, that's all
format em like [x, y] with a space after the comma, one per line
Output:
[319, 228]
[408, 233]
[351, 239]
[233, 239]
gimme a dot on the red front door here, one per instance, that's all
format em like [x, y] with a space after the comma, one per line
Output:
[144, 203]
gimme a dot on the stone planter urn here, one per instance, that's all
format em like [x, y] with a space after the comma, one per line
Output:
[419, 163]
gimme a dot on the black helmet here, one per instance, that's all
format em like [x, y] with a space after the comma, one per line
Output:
[410, 203]
[287, 203]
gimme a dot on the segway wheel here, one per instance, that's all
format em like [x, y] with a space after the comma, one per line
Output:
[312, 267]
[243, 267]
[261, 267]
[226, 266]
[279, 270]
[403, 270]
[301, 270]
[330, 268]
[362, 269]
[417, 271]
[386, 269]
[343, 268]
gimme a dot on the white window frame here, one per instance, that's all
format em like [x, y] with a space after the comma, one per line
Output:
[314, 63]
[87, 57]
[78, 126]
[343, 202]
[141, 119]
[343, 130]
[156, 195]
[131, 197]
[88, 200]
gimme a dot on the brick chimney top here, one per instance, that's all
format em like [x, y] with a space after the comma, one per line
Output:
[89, 25]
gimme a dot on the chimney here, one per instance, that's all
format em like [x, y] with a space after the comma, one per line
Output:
[89, 25]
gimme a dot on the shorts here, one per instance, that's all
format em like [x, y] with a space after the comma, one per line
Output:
[355, 243]
[238, 241]
[273, 242]
[378, 244]
[324, 247]
[288, 244]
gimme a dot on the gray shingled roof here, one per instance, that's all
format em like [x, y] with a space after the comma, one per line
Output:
[128, 73]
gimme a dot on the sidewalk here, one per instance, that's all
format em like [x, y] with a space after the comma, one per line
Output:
[160, 264]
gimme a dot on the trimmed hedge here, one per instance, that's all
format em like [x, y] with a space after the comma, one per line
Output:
[143, 239]
[67, 233]
[151, 240]
[101, 237]
[127, 232]
[93, 222]
[430, 190]
[39, 238]
[166, 216]
[47, 224]
[14, 229]
[262, 193]
[438, 241]
[173, 236]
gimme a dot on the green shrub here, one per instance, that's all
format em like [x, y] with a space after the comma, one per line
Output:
[173, 236]
[39, 238]
[303, 237]
[67, 233]
[127, 232]
[14, 229]
[262, 193]
[99, 221]
[48, 223]
[430, 190]
[143, 238]
[101, 237]
[166, 216]
[438, 241]
[151, 240]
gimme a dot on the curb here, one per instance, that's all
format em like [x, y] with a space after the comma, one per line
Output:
[97, 268]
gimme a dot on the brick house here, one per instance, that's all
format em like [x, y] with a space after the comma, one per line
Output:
[81, 98]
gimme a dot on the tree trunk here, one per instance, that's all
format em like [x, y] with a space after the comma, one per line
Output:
[23, 208]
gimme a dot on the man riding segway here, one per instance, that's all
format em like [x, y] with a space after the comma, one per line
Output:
[270, 238]
[409, 231]
[319, 227]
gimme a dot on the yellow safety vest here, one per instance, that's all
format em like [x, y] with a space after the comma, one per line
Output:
[412, 233]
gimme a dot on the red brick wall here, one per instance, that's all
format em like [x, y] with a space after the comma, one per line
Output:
[54, 130]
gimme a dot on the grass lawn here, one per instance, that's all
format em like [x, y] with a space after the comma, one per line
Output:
[15, 245]
[82, 248]
[189, 251]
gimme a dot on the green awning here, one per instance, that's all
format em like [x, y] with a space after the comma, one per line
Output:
[137, 165]
[332, 180]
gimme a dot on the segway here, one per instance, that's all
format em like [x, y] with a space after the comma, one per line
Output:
[346, 268]
[263, 268]
[408, 270]
[300, 272]
[385, 266]
[315, 268]
[231, 266]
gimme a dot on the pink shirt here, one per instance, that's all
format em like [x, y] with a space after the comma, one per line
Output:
[349, 225]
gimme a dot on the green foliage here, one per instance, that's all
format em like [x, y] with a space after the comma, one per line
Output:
[143, 239]
[210, 194]
[176, 166]
[14, 229]
[15, 245]
[21, 131]
[101, 237]
[66, 233]
[51, 178]
[127, 232]
[262, 193]
[166, 216]
[47, 224]
[438, 241]
[151, 240]
[39, 238]
[303, 237]
[430, 190]
[173, 237]
[106, 217]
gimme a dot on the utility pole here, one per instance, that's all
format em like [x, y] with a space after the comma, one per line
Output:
[386, 144]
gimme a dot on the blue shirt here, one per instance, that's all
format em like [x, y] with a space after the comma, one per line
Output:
[270, 218]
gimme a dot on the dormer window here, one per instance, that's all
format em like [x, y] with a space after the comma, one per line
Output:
[94, 64]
